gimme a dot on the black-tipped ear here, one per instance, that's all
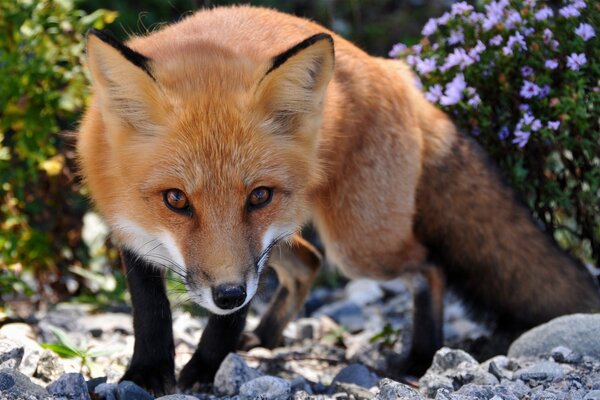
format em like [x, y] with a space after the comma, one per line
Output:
[131, 55]
[283, 57]
[291, 93]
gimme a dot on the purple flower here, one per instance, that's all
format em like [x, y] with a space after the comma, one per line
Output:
[507, 51]
[553, 125]
[545, 91]
[517, 39]
[458, 57]
[412, 60]
[569, 11]
[398, 49]
[456, 36]
[526, 71]
[477, 50]
[461, 8]
[576, 61]
[536, 125]
[529, 90]
[554, 44]
[454, 91]
[496, 40]
[579, 4]
[551, 64]
[504, 133]
[424, 67]
[513, 19]
[548, 35]
[585, 31]
[476, 17]
[417, 48]
[443, 20]
[521, 138]
[527, 31]
[524, 107]
[434, 93]
[474, 101]
[544, 13]
[430, 27]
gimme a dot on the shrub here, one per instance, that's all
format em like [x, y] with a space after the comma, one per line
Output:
[42, 90]
[523, 79]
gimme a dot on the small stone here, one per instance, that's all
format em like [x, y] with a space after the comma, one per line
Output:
[577, 332]
[232, 374]
[541, 371]
[592, 395]
[446, 358]
[23, 335]
[302, 395]
[94, 382]
[177, 397]
[70, 385]
[392, 390]
[127, 390]
[16, 385]
[357, 374]
[565, 355]
[353, 391]
[11, 354]
[267, 388]
[49, 367]
[107, 391]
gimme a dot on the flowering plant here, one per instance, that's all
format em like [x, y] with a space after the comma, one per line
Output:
[523, 78]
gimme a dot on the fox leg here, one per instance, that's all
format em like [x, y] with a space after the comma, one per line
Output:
[296, 266]
[428, 319]
[220, 337]
[152, 365]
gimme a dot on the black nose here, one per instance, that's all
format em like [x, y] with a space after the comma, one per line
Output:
[229, 296]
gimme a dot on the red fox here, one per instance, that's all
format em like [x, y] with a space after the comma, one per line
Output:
[209, 143]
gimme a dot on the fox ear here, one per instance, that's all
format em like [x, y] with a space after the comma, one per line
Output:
[291, 92]
[123, 80]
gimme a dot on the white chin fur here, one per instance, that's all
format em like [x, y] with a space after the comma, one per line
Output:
[203, 297]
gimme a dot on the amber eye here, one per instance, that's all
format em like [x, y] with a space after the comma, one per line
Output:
[260, 197]
[176, 201]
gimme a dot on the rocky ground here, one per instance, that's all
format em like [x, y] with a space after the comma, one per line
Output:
[346, 348]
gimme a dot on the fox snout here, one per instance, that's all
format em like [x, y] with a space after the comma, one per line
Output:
[229, 296]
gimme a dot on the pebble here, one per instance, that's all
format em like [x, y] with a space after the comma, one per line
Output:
[267, 388]
[11, 354]
[70, 385]
[356, 374]
[16, 385]
[346, 313]
[392, 390]
[541, 371]
[127, 390]
[232, 374]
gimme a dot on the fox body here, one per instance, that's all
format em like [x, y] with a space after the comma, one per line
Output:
[208, 144]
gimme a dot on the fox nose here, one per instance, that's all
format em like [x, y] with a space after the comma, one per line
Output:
[227, 297]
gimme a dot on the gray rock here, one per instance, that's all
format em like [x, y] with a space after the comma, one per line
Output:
[577, 332]
[392, 390]
[518, 388]
[22, 334]
[70, 385]
[346, 313]
[485, 392]
[49, 367]
[266, 388]
[11, 354]
[15, 385]
[94, 382]
[177, 397]
[357, 374]
[446, 358]
[302, 395]
[232, 374]
[353, 391]
[363, 291]
[563, 354]
[127, 390]
[541, 371]
[592, 395]
[107, 391]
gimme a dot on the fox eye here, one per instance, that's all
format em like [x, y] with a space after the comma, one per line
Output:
[176, 201]
[260, 197]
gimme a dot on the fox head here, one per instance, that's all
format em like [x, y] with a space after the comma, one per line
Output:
[201, 162]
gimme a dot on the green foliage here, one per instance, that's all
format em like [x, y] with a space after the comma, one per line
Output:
[42, 90]
[506, 72]
[387, 337]
[66, 348]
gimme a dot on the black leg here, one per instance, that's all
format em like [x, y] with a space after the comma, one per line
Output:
[152, 365]
[220, 337]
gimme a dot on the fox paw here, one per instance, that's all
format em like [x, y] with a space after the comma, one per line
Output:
[156, 380]
[194, 374]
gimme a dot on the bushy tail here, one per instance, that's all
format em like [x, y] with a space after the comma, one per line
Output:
[492, 250]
